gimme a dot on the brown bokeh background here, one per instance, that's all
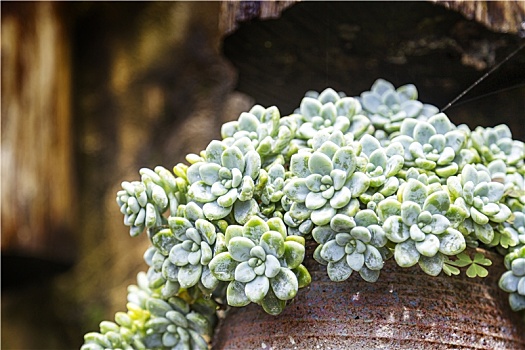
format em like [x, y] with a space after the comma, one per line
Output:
[93, 91]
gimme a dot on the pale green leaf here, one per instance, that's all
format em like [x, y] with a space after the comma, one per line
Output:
[406, 254]
[256, 289]
[235, 294]
[319, 163]
[339, 271]
[285, 284]
[432, 265]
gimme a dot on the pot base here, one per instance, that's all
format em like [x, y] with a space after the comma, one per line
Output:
[404, 309]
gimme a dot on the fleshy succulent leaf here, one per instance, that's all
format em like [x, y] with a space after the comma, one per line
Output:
[406, 254]
[235, 294]
[223, 266]
[256, 289]
[285, 284]
[339, 271]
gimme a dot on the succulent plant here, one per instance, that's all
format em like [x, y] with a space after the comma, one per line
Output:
[434, 145]
[181, 253]
[330, 112]
[162, 274]
[506, 233]
[419, 227]
[497, 143]
[387, 106]
[363, 179]
[324, 182]
[513, 180]
[513, 280]
[515, 192]
[384, 165]
[113, 336]
[153, 323]
[262, 264]
[270, 134]
[225, 181]
[144, 202]
[351, 244]
[197, 238]
[271, 187]
[480, 198]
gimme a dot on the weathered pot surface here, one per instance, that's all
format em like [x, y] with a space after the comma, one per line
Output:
[404, 309]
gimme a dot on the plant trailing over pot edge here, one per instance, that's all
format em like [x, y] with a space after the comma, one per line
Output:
[366, 179]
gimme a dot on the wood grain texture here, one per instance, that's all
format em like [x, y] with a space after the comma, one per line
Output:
[499, 16]
[38, 206]
[234, 12]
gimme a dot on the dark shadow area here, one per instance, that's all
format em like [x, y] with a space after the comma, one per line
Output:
[348, 45]
[20, 271]
[30, 304]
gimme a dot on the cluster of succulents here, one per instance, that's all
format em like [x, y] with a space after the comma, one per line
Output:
[180, 253]
[324, 181]
[153, 322]
[330, 111]
[358, 180]
[434, 145]
[387, 107]
[351, 244]
[262, 264]
[143, 203]
[513, 280]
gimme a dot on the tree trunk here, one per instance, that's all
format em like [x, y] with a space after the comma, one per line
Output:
[38, 206]
[499, 16]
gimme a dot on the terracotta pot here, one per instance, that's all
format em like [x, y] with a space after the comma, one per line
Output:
[404, 309]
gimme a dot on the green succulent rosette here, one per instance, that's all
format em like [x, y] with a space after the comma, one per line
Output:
[330, 112]
[512, 178]
[155, 323]
[384, 166]
[143, 202]
[270, 134]
[351, 244]
[435, 145]
[387, 106]
[479, 198]
[497, 143]
[197, 237]
[224, 182]
[419, 227]
[507, 234]
[162, 275]
[324, 182]
[262, 264]
[181, 253]
[513, 280]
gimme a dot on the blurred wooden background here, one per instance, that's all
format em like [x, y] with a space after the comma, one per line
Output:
[93, 91]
